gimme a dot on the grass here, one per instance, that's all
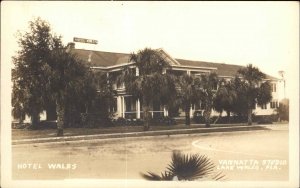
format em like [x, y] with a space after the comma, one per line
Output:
[46, 133]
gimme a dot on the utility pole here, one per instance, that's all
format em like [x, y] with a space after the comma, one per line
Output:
[282, 73]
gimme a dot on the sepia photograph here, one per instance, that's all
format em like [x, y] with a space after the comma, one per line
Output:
[149, 94]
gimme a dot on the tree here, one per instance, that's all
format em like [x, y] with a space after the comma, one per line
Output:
[150, 86]
[46, 72]
[283, 110]
[255, 91]
[30, 73]
[225, 98]
[67, 83]
[208, 85]
[187, 93]
[18, 96]
[103, 98]
[264, 94]
[240, 106]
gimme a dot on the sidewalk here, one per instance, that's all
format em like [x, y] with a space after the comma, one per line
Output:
[138, 134]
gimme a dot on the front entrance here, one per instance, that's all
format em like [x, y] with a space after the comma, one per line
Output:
[130, 108]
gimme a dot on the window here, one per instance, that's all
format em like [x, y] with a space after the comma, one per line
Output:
[274, 104]
[264, 106]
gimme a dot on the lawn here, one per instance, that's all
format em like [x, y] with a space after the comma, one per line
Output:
[44, 133]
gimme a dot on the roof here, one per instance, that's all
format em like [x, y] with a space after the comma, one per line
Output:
[101, 59]
[222, 68]
[111, 59]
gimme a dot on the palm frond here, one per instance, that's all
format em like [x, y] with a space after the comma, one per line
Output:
[187, 167]
[167, 176]
[151, 176]
[219, 176]
[191, 167]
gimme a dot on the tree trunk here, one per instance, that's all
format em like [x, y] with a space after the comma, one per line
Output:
[220, 115]
[21, 119]
[250, 116]
[35, 119]
[187, 115]
[51, 111]
[146, 117]
[207, 113]
[228, 116]
[60, 119]
[86, 108]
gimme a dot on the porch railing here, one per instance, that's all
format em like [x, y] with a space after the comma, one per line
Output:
[132, 114]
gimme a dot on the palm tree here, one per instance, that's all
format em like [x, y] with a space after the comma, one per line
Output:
[208, 85]
[225, 98]
[66, 84]
[187, 167]
[252, 77]
[150, 86]
[187, 93]
[103, 100]
[240, 104]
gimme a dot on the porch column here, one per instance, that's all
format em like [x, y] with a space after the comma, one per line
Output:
[165, 112]
[119, 106]
[191, 111]
[107, 76]
[188, 72]
[123, 106]
[138, 109]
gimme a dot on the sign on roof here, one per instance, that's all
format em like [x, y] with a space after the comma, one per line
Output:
[91, 41]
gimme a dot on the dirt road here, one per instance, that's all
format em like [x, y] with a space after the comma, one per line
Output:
[251, 155]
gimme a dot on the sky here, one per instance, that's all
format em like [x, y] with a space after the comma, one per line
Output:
[265, 34]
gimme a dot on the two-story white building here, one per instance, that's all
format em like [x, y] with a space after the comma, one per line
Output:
[125, 106]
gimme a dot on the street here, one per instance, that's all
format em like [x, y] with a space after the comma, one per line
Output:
[244, 155]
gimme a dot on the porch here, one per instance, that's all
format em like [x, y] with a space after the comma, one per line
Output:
[125, 106]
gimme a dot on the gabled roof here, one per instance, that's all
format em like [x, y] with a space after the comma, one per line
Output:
[101, 59]
[222, 68]
[112, 59]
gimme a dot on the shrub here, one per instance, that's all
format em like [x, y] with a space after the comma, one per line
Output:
[47, 125]
[72, 118]
[94, 120]
[163, 121]
[198, 117]
[20, 125]
[139, 122]
[119, 121]
[266, 119]
[128, 122]
[283, 110]
[238, 119]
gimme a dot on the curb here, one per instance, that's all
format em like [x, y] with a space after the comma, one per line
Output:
[138, 134]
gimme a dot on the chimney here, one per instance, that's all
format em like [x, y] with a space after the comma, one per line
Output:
[71, 45]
